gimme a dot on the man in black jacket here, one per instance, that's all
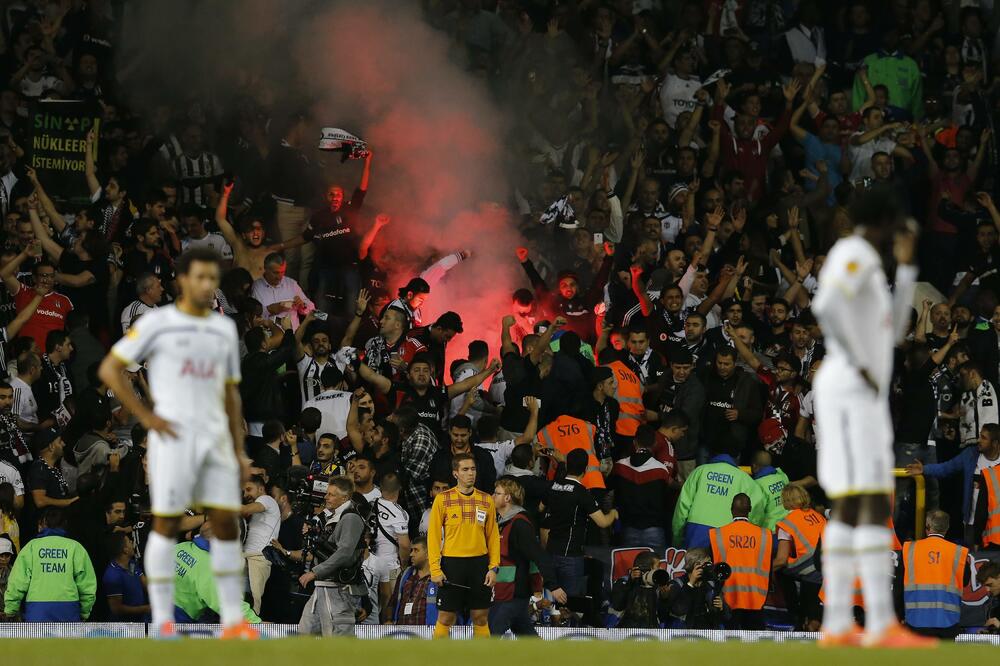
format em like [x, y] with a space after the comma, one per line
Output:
[460, 432]
[522, 561]
[733, 405]
[261, 388]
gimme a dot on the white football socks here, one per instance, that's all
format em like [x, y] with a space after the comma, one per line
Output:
[159, 568]
[874, 564]
[838, 577]
[227, 566]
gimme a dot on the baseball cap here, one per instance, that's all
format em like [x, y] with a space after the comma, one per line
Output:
[677, 189]
[6, 546]
[43, 438]
[772, 434]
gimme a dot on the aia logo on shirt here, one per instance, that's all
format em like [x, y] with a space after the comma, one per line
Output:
[200, 369]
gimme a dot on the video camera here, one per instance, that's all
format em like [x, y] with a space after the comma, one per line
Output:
[306, 490]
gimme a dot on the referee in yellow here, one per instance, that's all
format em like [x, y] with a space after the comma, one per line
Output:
[465, 557]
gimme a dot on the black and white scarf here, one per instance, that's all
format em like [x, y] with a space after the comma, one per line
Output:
[12, 444]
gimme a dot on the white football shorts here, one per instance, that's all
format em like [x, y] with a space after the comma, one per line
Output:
[196, 470]
[853, 434]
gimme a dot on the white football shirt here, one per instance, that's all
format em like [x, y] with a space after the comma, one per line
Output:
[334, 407]
[859, 316]
[190, 360]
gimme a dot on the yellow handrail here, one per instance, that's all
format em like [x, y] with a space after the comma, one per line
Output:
[921, 501]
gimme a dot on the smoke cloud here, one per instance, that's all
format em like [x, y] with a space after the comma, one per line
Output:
[378, 71]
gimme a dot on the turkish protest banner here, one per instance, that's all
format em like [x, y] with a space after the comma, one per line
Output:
[57, 146]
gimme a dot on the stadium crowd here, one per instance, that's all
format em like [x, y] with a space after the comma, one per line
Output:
[679, 170]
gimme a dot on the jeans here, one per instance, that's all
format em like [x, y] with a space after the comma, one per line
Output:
[651, 537]
[513, 615]
[570, 575]
[334, 289]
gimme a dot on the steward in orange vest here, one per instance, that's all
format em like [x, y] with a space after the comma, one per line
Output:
[567, 433]
[631, 413]
[991, 488]
[747, 549]
[797, 557]
[798, 554]
[934, 572]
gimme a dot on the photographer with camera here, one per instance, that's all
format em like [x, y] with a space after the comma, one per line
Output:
[695, 600]
[989, 577]
[337, 570]
[747, 549]
[636, 598]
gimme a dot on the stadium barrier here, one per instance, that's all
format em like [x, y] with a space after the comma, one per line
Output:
[391, 632]
[376, 631]
[920, 501]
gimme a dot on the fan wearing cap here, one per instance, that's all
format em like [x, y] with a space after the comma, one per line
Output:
[570, 302]
[45, 478]
[680, 212]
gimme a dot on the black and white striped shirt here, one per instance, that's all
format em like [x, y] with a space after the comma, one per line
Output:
[133, 311]
[309, 377]
[193, 173]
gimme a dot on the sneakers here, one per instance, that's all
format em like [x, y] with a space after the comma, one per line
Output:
[898, 637]
[849, 638]
[240, 632]
[167, 632]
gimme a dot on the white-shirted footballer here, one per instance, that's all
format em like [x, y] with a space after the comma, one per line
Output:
[190, 359]
[861, 321]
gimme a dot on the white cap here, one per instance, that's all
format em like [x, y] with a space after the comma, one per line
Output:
[6, 546]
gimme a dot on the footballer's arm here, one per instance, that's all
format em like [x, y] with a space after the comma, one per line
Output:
[112, 373]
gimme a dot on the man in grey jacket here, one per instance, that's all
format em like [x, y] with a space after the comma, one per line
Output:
[331, 608]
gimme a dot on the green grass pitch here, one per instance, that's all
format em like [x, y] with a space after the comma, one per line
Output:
[189, 652]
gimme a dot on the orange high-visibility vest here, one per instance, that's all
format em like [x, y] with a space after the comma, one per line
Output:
[895, 545]
[806, 529]
[747, 549]
[567, 433]
[991, 532]
[934, 569]
[631, 413]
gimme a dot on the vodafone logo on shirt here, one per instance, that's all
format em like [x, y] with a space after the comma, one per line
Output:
[50, 315]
